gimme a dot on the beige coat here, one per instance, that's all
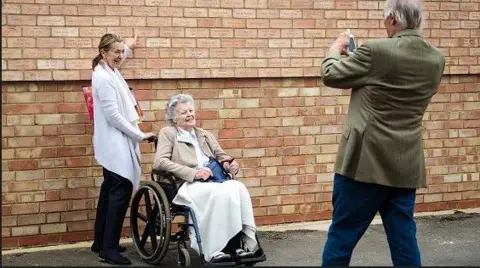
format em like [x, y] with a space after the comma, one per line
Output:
[392, 81]
[178, 157]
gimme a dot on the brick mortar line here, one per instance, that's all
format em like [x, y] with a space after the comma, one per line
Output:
[314, 226]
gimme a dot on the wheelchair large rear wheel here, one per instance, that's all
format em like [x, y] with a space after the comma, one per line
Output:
[150, 222]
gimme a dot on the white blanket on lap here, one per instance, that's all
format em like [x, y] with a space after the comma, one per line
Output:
[222, 210]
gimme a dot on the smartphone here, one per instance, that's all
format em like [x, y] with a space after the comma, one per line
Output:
[352, 46]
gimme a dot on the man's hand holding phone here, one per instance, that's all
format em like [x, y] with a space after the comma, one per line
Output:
[351, 43]
[344, 44]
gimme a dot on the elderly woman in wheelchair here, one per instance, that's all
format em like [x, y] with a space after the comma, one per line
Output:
[203, 173]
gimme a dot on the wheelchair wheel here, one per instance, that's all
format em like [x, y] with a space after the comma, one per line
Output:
[150, 222]
[184, 258]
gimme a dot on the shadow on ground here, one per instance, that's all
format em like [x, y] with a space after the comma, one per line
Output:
[452, 240]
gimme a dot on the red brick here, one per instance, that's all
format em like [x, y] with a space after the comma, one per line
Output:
[208, 22]
[37, 240]
[78, 162]
[12, 31]
[21, 64]
[21, 20]
[74, 237]
[53, 206]
[22, 164]
[63, 10]
[71, 151]
[18, 209]
[80, 204]
[74, 216]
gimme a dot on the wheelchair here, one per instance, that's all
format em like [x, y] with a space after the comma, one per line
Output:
[151, 216]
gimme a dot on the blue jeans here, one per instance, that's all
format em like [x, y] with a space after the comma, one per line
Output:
[354, 207]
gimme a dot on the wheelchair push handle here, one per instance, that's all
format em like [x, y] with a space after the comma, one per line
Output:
[153, 139]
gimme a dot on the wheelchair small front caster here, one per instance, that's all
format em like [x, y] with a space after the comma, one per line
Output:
[184, 258]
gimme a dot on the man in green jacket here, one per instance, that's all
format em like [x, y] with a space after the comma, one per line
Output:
[380, 161]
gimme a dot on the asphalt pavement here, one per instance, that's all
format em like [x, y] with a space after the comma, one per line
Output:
[446, 240]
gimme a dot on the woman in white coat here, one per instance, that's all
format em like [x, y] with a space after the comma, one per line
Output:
[116, 140]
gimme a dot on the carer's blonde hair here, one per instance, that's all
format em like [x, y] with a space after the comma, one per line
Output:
[105, 45]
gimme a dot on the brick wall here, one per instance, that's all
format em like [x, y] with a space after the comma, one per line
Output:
[283, 130]
[56, 39]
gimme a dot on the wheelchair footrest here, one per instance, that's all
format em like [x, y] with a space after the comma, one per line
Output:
[258, 257]
[217, 264]
[252, 260]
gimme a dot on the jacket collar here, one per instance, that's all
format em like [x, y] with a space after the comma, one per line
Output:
[407, 32]
[184, 136]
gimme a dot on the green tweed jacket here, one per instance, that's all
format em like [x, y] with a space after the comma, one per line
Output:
[392, 82]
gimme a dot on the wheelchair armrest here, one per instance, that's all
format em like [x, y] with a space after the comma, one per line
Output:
[162, 173]
[165, 175]
[228, 160]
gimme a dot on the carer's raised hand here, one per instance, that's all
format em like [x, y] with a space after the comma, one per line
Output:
[131, 42]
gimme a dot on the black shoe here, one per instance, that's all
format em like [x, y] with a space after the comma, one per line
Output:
[96, 249]
[114, 257]
[252, 257]
[242, 254]
[101, 256]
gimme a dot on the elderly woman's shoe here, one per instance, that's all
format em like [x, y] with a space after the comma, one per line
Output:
[252, 257]
[221, 257]
[242, 254]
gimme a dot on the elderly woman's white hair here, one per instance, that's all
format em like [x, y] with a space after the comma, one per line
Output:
[170, 114]
[407, 12]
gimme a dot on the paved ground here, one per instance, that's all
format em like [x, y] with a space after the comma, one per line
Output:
[448, 240]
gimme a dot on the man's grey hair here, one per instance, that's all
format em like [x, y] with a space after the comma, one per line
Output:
[170, 114]
[407, 12]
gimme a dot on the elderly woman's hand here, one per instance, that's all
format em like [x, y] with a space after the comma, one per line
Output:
[232, 167]
[203, 173]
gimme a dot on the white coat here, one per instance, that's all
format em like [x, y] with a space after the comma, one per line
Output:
[116, 133]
